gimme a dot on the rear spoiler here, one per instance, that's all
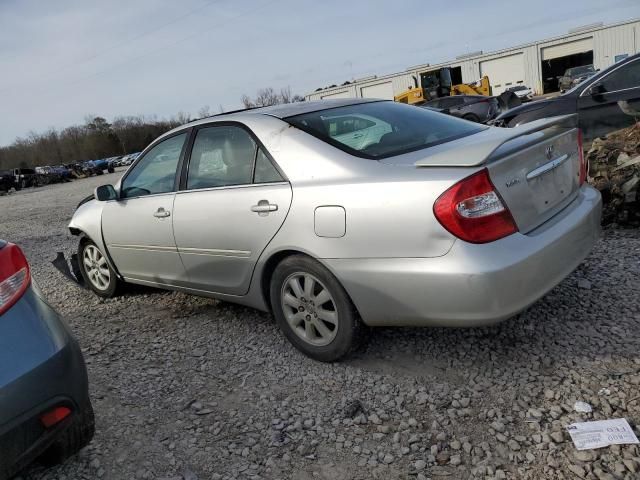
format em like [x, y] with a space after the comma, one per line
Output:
[476, 149]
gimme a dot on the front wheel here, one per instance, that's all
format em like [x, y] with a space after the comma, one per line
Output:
[312, 309]
[95, 270]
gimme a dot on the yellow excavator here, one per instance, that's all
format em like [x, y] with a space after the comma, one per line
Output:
[437, 84]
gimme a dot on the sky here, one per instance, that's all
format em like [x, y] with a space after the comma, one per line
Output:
[63, 60]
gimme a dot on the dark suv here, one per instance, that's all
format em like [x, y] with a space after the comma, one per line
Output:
[574, 76]
[608, 101]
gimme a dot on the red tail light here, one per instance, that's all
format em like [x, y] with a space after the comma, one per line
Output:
[584, 168]
[14, 276]
[54, 416]
[473, 211]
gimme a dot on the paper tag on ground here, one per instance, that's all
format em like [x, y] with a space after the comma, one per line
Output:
[602, 433]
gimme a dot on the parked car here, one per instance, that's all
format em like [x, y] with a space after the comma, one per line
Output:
[25, 177]
[476, 108]
[129, 159]
[101, 165]
[574, 76]
[433, 221]
[63, 171]
[47, 175]
[7, 181]
[45, 410]
[603, 102]
[524, 93]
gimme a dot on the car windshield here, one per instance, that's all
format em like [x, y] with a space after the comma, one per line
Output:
[380, 130]
[580, 70]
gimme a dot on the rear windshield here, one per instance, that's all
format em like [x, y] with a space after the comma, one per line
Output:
[382, 129]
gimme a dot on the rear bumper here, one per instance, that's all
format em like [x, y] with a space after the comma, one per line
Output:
[473, 285]
[46, 370]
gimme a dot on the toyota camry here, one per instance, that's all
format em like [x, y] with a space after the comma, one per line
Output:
[334, 214]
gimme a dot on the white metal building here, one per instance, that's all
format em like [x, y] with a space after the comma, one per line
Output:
[537, 64]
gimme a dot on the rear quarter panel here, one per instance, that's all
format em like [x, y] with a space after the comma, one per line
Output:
[388, 208]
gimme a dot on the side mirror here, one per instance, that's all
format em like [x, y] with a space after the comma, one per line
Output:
[596, 89]
[104, 193]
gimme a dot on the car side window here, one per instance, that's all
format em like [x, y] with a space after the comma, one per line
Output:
[156, 171]
[627, 76]
[265, 171]
[221, 156]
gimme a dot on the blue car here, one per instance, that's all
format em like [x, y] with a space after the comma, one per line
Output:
[45, 410]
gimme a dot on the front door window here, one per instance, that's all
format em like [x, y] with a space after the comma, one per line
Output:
[156, 171]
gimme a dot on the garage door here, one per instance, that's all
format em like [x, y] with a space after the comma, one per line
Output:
[379, 90]
[569, 48]
[343, 94]
[504, 72]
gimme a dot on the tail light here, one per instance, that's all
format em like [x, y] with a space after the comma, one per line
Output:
[14, 276]
[583, 163]
[473, 211]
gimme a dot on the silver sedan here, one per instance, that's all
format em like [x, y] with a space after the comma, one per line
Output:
[334, 214]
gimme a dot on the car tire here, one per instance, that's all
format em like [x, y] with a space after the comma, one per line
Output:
[326, 334]
[76, 436]
[96, 271]
[472, 117]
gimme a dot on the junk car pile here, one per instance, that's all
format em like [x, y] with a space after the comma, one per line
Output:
[614, 166]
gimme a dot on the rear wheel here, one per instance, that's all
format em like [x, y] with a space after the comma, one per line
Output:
[95, 270]
[312, 309]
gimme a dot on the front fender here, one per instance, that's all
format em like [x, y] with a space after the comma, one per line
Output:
[87, 221]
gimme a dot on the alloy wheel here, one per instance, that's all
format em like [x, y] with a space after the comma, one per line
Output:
[95, 265]
[309, 308]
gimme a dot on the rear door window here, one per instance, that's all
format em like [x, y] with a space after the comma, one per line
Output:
[627, 76]
[221, 156]
[265, 172]
[390, 128]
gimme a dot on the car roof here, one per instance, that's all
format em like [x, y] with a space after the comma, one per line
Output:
[297, 108]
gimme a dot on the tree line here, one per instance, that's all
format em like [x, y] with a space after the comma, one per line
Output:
[97, 138]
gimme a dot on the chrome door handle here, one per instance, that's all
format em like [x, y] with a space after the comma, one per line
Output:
[161, 213]
[264, 207]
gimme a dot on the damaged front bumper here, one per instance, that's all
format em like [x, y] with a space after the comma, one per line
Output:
[70, 269]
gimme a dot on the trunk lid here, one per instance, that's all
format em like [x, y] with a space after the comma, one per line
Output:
[535, 168]
[537, 175]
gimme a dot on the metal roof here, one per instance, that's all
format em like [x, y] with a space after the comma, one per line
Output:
[298, 108]
[290, 109]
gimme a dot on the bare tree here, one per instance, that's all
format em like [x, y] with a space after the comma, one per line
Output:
[268, 96]
[204, 112]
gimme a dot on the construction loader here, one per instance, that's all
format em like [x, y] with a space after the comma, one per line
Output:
[438, 84]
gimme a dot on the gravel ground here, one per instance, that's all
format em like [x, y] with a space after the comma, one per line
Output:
[191, 388]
